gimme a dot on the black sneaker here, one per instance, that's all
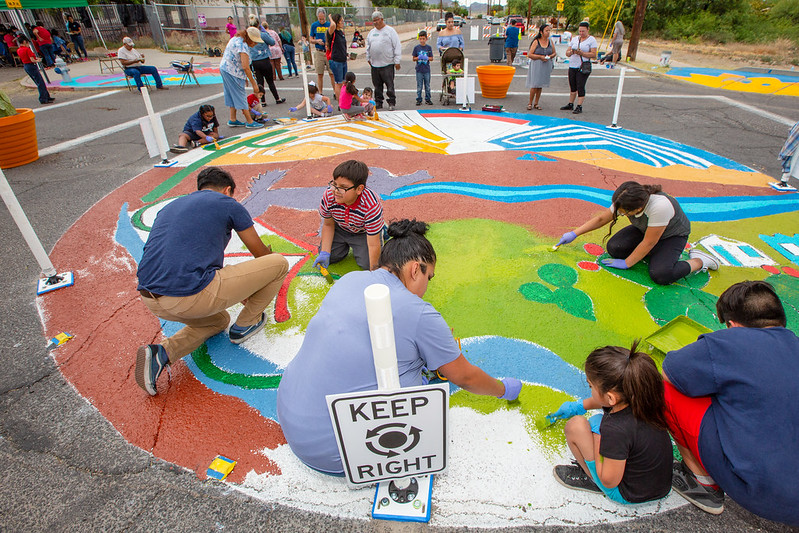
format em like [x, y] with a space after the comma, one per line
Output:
[239, 334]
[567, 107]
[150, 362]
[578, 110]
[177, 149]
[429, 102]
[685, 484]
[418, 102]
[573, 477]
[280, 101]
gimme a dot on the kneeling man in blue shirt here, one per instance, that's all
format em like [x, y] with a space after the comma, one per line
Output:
[181, 277]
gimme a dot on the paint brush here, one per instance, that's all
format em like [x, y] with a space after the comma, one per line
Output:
[326, 274]
[216, 144]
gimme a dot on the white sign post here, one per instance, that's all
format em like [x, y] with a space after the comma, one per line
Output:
[385, 435]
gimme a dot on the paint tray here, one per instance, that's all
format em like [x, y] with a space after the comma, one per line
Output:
[678, 333]
[493, 108]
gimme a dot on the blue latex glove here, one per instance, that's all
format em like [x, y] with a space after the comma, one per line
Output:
[566, 410]
[372, 102]
[512, 389]
[621, 264]
[567, 238]
[220, 137]
[330, 109]
[209, 138]
[255, 113]
[595, 421]
[322, 259]
[292, 109]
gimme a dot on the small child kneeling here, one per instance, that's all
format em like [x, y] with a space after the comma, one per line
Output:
[201, 128]
[320, 105]
[352, 105]
[625, 452]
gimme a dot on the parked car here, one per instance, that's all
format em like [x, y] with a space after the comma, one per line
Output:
[441, 25]
[517, 20]
[459, 22]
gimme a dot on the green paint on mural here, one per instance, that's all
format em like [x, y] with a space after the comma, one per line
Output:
[280, 245]
[668, 302]
[787, 288]
[558, 275]
[536, 292]
[534, 402]
[136, 219]
[245, 381]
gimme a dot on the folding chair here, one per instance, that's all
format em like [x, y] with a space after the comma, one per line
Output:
[188, 74]
[108, 60]
[144, 80]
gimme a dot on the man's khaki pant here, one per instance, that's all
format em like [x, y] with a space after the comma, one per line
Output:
[257, 280]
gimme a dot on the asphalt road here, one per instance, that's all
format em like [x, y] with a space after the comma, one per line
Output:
[66, 468]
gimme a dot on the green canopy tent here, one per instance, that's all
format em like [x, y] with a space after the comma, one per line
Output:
[41, 4]
[15, 5]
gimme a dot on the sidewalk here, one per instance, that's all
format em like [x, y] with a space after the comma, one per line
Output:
[206, 68]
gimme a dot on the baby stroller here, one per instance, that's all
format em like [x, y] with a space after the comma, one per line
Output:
[449, 55]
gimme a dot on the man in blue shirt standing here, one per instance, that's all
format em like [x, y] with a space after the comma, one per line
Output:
[511, 41]
[319, 38]
[181, 277]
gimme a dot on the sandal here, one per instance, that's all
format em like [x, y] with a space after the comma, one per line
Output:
[529, 107]
[536, 106]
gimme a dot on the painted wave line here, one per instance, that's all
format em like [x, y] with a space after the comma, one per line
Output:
[698, 209]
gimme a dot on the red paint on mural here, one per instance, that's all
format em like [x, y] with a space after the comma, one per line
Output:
[588, 265]
[791, 271]
[593, 249]
[771, 269]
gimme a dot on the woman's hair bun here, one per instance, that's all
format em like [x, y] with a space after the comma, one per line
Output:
[402, 228]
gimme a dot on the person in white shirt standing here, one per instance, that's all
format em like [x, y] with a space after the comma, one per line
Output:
[133, 62]
[383, 53]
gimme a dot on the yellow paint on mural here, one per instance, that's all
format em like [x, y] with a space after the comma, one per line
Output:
[736, 82]
[713, 174]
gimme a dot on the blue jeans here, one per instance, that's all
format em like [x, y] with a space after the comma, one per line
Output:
[136, 73]
[339, 70]
[288, 53]
[48, 54]
[78, 41]
[32, 70]
[423, 79]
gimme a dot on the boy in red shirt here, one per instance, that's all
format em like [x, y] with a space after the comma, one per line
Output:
[45, 42]
[29, 63]
[352, 218]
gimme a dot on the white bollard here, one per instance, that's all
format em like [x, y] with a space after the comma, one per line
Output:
[25, 227]
[613, 126]
[381, 332]
[157, 127]
[308, 114]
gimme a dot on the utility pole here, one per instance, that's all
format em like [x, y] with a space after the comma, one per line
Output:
[529, 13]
[441, 9]
[304, 28]
[635, 35]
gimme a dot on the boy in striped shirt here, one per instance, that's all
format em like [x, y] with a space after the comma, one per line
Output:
[352, 218]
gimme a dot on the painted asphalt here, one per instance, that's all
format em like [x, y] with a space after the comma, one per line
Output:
[67, 468]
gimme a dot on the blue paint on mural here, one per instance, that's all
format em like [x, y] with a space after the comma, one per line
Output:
[778, 240]
[698, 209]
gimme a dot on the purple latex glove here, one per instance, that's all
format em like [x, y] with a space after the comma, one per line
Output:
[220, 137]
[322, 259]
[512, 389]
[209, 138]
[330, 109]
[621, 264]
[567, 238]
[595, 421]
[292, 109]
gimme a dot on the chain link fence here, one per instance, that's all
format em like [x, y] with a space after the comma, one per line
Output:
[196, 29]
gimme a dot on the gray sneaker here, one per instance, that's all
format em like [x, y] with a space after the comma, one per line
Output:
[239, 334]
[685, 484]
[708, 261]
[151, 360]
[574, 477]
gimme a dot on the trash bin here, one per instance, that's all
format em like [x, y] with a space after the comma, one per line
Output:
[496, 50]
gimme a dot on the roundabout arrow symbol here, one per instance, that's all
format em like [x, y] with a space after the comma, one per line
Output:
[416, 434]
[389, 453]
